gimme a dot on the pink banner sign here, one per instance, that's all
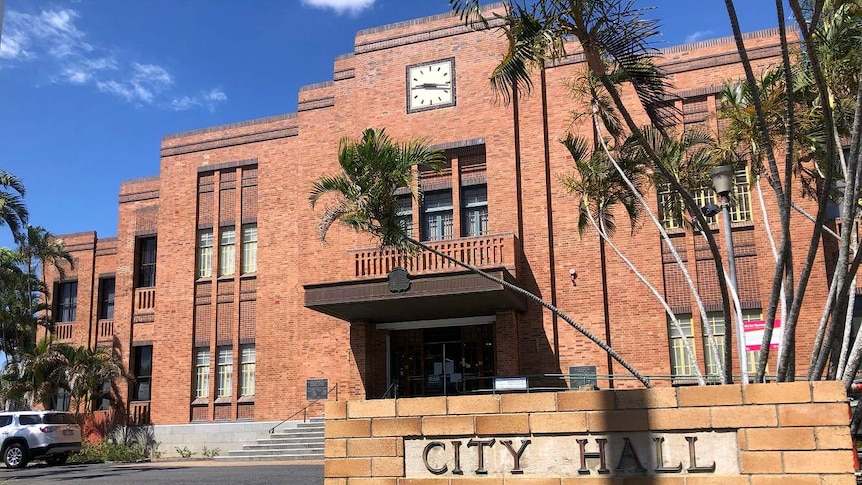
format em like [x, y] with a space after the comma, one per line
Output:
[754, 334]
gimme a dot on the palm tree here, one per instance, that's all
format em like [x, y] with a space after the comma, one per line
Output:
[600, 187]
[615, 42]
[13, 212]
[87, 371]
[41, 248]
[372, 169]
[38, 376]
[21, 307]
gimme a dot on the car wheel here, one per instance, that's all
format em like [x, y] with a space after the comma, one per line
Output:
[57, 459]
[14, 456]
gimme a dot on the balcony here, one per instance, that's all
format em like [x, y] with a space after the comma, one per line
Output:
[438, 288]
[139, 412]
[492, 251]
[144, 305]
[63, 331]
[105, 330]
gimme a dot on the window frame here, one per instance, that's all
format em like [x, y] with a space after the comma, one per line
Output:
[443, 215]
[205, 253]
[107, 297]
[247, 363]
[227, 251]
[478, 209]
[67, 302]
[224, 372]
[202, 373]
[676, 349]
[143, 371]
[249, 249]
[147, 255]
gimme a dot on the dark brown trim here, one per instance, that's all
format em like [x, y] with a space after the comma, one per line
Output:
[224, 166]
[139, 196]
[230, 141]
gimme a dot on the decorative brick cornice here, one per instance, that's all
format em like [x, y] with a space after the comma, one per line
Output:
[346, 55]
[415, 37]
[344, 74]
[227, 165]
[317, 103]
[423, 20]
[230, 126]
[139, 196]
[140, 180]
[312, 87]
[230, 141]
[453, 145]
[85, 246]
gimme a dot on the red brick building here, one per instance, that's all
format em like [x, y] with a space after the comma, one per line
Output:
[223, 302]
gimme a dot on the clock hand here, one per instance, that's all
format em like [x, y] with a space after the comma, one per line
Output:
[431, 86]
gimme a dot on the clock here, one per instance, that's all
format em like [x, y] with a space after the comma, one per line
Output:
[431, 85]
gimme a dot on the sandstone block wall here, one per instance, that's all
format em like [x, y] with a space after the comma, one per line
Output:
[788, 433]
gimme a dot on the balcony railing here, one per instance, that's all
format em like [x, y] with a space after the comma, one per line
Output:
[139, 412]
[492, 251]
[63, 331]
[145, 300]
[106, 329]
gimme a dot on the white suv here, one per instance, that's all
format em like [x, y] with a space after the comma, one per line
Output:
[27, 435]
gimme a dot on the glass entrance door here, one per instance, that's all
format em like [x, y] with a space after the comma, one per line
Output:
[443, 368]
[441, 361]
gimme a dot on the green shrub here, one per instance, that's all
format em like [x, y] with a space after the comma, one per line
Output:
[109, 451]
[210, 453]
[184, 452]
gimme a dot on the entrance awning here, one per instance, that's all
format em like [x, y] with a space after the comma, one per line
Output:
[449, 295]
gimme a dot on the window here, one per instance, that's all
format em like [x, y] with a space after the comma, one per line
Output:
[205, 253]
[715, 320]
[249, 249]
[671, 207]
[404, 213]
[437, 215]
[681, 365]
[147, 262]
[202, 373]
[26, 419]
[5, 421]
[227, 255]
[246, 361]
[106, 298]
[67, 301]
[103, 397]
[225, 371]
[475, 211]
[143, 367]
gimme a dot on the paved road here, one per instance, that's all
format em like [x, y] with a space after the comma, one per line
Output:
[174, 473]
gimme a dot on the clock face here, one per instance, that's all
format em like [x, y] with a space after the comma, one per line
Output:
[431, 85]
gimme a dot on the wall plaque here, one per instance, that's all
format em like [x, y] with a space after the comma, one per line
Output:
[632, 454]
[316, 389]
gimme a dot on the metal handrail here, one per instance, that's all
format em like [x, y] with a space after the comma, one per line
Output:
[304, 410]
[391, 386]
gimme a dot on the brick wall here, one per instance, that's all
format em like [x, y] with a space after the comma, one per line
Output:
[788, 433]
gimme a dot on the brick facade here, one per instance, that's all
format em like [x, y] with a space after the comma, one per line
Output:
[260, 172]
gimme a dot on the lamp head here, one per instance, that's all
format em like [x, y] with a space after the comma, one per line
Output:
[722, 179]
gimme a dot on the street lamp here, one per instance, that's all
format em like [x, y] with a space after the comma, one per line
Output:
[722, 183]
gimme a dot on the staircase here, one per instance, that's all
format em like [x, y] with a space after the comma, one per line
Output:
[302, 441]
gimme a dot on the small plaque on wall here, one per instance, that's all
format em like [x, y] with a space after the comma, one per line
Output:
[316, 389]
[582, 375]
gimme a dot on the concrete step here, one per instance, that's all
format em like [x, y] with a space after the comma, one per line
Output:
[310, 452]
[295, 441]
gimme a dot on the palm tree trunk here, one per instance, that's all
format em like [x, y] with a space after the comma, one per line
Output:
[707, 329]
[763, 356]
[517, 289]
[674, 321]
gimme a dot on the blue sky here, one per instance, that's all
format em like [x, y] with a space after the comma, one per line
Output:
[89, 87]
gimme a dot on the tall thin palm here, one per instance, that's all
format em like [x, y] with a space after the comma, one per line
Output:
[13, 212]
[616, 42]
[372, 169]
[38, 376]
[42, 249]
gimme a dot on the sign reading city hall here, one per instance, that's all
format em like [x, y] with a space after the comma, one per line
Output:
[612, 454]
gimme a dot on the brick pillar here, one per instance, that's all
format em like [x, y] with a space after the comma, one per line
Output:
[363, 363]
[506, 344]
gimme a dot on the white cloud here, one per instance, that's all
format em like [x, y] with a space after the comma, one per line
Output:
[52, 39]
[208, 100]
[341, 6]
[700, 34]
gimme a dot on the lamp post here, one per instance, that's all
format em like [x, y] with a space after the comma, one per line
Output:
[722, 183]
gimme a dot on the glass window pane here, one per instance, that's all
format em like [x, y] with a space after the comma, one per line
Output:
[249, 249]
[227, 256]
